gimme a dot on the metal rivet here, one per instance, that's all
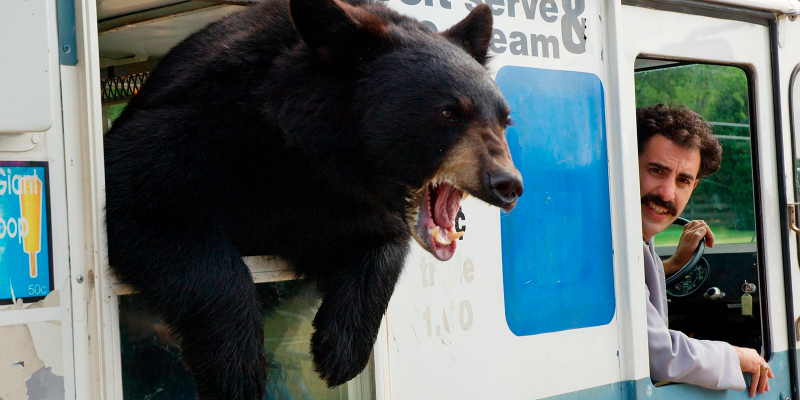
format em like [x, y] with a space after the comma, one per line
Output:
[79, 279]
[35, 139]
[65, 48]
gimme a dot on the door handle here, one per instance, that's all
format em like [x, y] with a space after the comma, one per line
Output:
[793, 216]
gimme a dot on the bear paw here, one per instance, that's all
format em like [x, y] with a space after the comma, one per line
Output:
[339, 352]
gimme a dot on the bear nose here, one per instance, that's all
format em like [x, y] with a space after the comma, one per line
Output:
[506, 185]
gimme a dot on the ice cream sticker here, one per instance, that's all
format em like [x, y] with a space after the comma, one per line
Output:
[25, 250]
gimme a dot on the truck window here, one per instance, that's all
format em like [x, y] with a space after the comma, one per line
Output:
[719, 94]
[118, 85]
[152, 368]
[794, 115]
[150, 354]
[726, 201]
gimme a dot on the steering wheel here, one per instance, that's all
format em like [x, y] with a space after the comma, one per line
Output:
[698, 255]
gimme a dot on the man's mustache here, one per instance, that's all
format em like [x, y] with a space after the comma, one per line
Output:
[669, 205]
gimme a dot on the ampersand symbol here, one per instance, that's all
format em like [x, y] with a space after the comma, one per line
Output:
[570, 22]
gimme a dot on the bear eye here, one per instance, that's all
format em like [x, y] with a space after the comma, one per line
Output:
[450, 114]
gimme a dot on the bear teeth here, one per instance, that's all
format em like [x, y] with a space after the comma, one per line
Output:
[451, 236]
[438, 239]
[441, 241]
[434, 232]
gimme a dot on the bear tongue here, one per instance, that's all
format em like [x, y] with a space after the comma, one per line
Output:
[447, 201]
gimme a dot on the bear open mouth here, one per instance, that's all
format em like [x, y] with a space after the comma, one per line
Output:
[436, 219]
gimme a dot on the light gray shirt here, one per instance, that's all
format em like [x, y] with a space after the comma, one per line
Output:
[675, 357]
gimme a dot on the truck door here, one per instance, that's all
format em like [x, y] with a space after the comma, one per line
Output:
[527, 306]
[717, 62]
[36, 350]
[789, 53]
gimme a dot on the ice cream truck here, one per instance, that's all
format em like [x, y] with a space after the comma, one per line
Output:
[545, 301]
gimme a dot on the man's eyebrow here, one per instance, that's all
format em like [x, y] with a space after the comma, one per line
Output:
[668, 169]
[660, 166]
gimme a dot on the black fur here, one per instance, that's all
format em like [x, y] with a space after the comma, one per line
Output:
[252, 139]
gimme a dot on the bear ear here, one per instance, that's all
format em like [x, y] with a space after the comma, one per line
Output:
[334, 25]
[474, 33]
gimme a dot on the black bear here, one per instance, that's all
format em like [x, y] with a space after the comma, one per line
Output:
[326, 132]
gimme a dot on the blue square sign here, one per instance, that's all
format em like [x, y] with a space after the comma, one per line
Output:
[557, 256]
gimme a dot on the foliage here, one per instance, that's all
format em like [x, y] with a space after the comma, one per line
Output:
[672, 235]
[718, 93]
[114, 111]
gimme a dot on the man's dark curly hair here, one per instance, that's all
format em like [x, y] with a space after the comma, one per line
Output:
[683, 127]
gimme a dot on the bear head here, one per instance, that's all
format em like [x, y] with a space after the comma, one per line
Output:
[427, 116]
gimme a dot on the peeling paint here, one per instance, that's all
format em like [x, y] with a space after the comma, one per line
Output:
[44, 385]
[46, 338]
[31, 361]
[51, 300]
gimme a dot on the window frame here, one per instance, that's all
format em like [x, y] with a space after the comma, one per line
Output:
[766, 331]
[794, 104]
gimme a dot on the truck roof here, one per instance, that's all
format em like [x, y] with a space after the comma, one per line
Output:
[778, 6]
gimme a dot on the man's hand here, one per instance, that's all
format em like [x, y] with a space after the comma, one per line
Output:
[690, 238]
[750, 361]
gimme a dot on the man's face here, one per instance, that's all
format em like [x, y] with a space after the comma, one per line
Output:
[667, 177]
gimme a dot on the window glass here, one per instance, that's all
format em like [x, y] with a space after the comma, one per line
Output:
[794, 101]
[720, 94]
[725, 200]
[151, 365]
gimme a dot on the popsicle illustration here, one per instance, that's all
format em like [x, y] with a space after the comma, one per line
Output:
[30, 204]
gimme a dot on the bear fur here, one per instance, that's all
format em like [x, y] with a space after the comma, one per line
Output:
[325, 132]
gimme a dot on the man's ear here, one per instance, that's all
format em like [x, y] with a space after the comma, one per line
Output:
[334, 26]
[474, 33]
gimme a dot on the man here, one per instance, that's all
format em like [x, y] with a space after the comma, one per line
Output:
[676, 150]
